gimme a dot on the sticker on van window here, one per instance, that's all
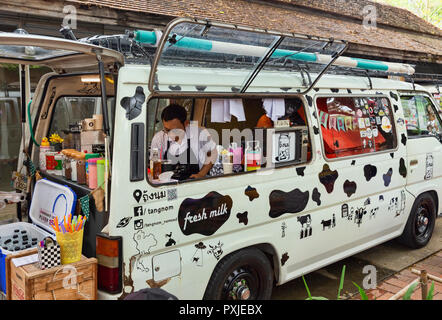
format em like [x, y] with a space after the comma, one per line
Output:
[204, 216]
[287, 202]
[386, 125]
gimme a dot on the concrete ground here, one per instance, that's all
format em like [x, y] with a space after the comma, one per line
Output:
[389, 259]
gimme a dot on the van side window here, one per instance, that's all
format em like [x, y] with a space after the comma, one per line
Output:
[236, 135]
[421, 117]
[356, 125]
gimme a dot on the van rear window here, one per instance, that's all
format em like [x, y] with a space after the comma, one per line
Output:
[356, 125]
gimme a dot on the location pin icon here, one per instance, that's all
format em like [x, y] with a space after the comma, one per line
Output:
[137, 195]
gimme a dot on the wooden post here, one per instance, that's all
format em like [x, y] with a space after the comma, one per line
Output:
[424, 284]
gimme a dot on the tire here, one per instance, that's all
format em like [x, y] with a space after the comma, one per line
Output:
[243, 274]
[420, 223]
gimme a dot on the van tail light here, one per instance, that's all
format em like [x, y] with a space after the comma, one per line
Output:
[109, 256]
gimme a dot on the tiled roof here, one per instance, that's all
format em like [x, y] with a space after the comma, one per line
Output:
[342, 19]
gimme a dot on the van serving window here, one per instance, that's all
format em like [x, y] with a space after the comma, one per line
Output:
[236, 135]
[356, 125]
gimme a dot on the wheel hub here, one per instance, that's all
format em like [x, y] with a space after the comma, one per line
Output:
[240, 291]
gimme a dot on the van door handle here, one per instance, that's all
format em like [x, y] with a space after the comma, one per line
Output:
[414, 162]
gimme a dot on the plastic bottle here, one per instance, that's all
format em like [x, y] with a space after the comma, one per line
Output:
[87, 157]
[74, 166]
[155, 164]
[100, 172]
[92, 176]
[58, 169]
[252, 156]
[44, 147]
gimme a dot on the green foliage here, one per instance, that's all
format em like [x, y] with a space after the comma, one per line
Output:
[431, 292]
[361, 292]
[430, 10]
[341, 286]
[407, 295]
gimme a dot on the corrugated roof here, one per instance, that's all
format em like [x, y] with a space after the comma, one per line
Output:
[340, 19]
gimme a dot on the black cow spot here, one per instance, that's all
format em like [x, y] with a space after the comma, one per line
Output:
[315, 130]
[316, 89]
[285, 89]
[350, 188]
[387, 177]
[235, 89]
[328, 178]
[314, 115]
[251, 193]
[133, 105]
[200, 88]
[349, 91]
[287, 202]
[392, 155]
[402, 168]
[396, 108]
[404, 139]
[310, 101]
[175, 88]
[353, 162]
[377, 92]
[242, 218]
[394, 95]
[334, 90]
[316, 196]
[300, 171]
[370, 171]
[284, 258]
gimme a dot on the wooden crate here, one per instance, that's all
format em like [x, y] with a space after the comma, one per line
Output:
[75, 281]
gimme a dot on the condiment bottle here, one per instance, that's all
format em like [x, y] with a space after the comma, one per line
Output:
[45, 146]
[81, 168]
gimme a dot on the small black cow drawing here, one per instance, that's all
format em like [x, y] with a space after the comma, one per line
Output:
[329, 223]
[373, 212]
[306, 229]
[216, 250]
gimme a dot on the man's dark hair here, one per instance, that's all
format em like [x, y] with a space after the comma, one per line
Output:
[174, 111]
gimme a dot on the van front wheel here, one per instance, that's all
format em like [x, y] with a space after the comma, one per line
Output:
[420, 223]
[243, 275]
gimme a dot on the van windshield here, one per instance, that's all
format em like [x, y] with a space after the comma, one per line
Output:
[215, 51]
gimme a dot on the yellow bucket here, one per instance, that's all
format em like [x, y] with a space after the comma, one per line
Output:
[70, 246]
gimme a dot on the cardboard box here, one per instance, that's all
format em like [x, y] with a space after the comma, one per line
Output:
[92, 137]
[75, 281]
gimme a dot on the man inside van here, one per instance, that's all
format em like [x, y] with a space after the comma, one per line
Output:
[173, 144]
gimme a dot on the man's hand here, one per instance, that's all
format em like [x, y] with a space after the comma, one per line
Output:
[197, 175]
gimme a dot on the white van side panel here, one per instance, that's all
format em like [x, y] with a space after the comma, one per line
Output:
[204, 239]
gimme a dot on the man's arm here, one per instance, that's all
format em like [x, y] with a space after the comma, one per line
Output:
[210, 160]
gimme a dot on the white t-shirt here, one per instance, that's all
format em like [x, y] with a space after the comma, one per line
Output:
[200, 141]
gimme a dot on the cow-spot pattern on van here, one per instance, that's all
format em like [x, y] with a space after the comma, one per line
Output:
[309, 100]
[175, 88]
[350, 188]
[387, 177]
[284, 258]
[287, 202]
[404, 139]
[133, 104]
[370, 171]
[394, 96]
[242, 218]
[300, 171]
[402, 168]
[252, 193]
[328, 177]
[316, 196]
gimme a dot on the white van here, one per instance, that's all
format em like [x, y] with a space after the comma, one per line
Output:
[326, 165]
